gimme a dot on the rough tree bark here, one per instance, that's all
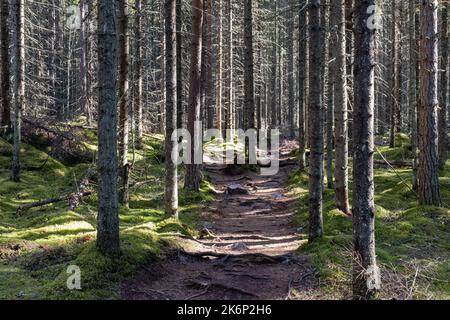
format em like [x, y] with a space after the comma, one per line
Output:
[340, 112]
[5, 115]
[273, 109]
[442, 111]
[290, 65]
[413, 88]
[123, 49]
[171, 186]
[366, 277]
[137, 74]
[249, 103]
[219, 111]
[18, 73]
[315, 124]
[192, 181]
[108, 216]
[179, 25]
[229, 115]
[394, 75]
[302, 46]
[429, 192]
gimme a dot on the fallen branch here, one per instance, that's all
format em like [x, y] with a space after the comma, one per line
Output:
[75, 198]
[46, 202]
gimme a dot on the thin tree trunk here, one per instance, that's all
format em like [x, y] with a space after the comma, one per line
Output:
[137, 69]
[179, 25]
[366, 276]
[229, 119]
[413, 88]
[429, 192]
[393, 70]
[274, 111]
[315, 124]
[124, 169]
[84, 101]
[290, 65]
[302, 60]
[442, 111]
[171, 187]
[192, 181]
[108, 216]
[18, 72]
[249, 103]
[341, 115]
[5, 115]
[219, 111]
[163, 63]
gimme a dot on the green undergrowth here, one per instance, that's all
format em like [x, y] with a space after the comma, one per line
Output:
[413, 242]
[37, 246]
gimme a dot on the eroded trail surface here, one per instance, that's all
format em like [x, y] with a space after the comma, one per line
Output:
[248, 248]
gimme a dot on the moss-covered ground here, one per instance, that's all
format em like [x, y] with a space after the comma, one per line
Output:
[413, 242]
[37, 246]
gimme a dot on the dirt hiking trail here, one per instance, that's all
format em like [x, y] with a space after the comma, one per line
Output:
[247, 249]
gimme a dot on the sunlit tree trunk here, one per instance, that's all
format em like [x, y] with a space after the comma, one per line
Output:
[366, 276]
[340, 112]
[429, 192]
[18, 73]
[302, 46]
[171, 186]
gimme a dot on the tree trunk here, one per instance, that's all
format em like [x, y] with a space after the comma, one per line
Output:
[229, 116]
[328, 85]
[366, 277]
[302, 46]
[84, 101]
[5, 115]
[18, 73]
[393, 85]
[192, 181]
[341, 115]
[179, 25]
[290, 65]
[273, 109]
[163, 63]
[442, 111]
[219, 111]
[137, 70]
[123, 101]
[315, 124]
[249, 103]
[413, 88]
[171, 187]
[429, 192]
[108, 216]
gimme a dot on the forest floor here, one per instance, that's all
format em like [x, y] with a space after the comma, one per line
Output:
[248, 247]
[227, 246]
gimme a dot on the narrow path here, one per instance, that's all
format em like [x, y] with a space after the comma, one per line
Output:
[247, 250]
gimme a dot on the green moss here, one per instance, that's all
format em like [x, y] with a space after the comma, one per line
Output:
[37, 246]
[409, 237]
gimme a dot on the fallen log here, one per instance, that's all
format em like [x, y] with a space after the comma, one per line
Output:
[66, 147]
